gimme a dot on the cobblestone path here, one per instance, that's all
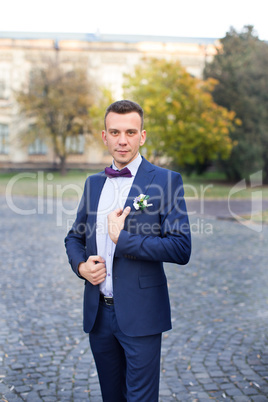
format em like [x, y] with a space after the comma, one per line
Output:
[217, 350]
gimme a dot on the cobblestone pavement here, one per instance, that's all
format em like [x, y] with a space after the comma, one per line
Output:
[223, 209]
[217, 350]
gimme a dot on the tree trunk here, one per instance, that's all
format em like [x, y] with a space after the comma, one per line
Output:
[265, 173]
[63, 169]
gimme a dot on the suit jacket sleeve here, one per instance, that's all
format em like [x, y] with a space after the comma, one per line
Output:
[174, 242]
[75, 241]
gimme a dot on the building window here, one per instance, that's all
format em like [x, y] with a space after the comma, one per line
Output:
[38, 147]
[4, 139]
[34, 79]
[4, 84]
[75, 144]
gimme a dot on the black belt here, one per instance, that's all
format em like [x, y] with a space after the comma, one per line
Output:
[107, 300]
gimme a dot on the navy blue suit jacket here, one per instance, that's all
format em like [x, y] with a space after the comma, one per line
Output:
[159, 233]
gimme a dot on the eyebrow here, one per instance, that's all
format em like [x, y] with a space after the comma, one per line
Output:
[129, 129]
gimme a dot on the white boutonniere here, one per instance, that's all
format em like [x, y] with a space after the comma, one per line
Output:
[140, 202]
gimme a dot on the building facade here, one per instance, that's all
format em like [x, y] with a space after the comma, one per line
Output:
[108, 58]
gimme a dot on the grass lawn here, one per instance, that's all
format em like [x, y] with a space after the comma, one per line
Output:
[211, 188]
[44, 184]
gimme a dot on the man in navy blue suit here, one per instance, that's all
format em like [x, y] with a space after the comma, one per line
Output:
[130, 220]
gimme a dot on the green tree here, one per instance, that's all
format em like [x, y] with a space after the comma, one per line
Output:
[184, 125]
[240, 67]
[98, 110]
[57, 101]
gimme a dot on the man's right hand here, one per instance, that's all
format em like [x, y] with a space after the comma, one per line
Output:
[93, 270]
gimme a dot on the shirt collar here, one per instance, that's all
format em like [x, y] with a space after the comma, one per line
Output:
[132, 166]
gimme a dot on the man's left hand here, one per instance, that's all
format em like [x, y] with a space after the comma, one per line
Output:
[116, 221]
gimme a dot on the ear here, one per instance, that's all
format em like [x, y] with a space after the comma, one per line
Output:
[104, 139]
[143, 137]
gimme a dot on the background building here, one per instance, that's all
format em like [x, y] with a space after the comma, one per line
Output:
[108, 58]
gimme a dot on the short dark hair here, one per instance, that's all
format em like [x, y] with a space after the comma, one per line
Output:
[124, 107]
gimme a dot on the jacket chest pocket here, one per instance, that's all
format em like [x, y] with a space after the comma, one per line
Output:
[143, 225]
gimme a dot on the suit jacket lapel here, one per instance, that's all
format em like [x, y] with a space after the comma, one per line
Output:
[141, 183]
[96, 185]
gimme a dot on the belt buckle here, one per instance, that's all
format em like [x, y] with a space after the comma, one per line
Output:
[108, 300]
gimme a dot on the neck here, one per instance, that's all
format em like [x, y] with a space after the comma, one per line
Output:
[121, 166]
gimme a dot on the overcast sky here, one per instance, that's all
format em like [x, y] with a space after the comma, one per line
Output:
[193, 18]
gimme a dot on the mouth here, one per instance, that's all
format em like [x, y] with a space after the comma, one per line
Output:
[122, 152]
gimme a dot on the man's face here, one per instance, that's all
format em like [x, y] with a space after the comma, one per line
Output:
[123, 137]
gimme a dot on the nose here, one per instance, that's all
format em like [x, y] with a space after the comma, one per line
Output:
[122, 139]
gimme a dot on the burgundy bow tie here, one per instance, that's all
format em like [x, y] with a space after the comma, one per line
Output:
[117, 173]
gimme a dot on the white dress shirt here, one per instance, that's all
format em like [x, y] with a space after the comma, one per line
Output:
[114, 194]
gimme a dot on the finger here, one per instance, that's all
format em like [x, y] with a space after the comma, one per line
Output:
[98, 267]
[97, 282]
[96, 258]
[98, 274]
[117, 212]
[126, 212]
[96, 279]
